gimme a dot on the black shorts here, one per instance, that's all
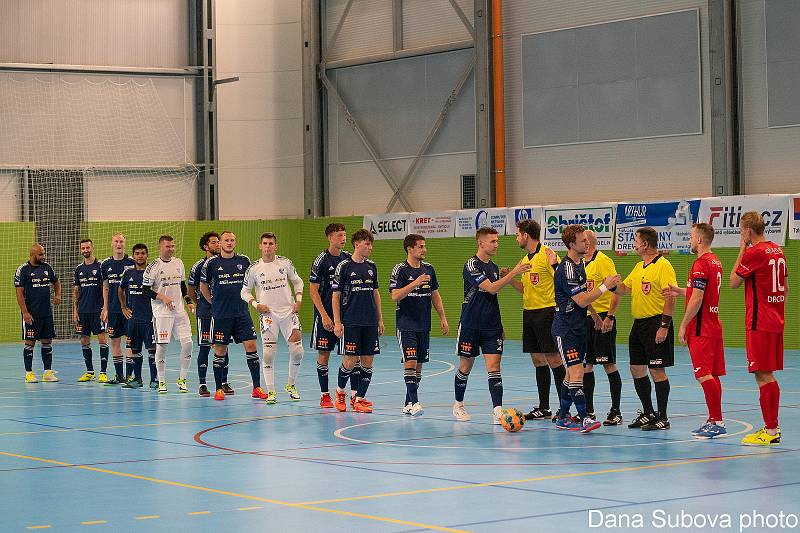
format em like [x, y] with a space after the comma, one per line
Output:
[204, 331]
[322, 340]
[360, 340]
[42, 328]
[572, 347]
[473, 342]
[642, 344]
[140, 333]
[89, 324]
[537, 326]
[414, 345]
[601, 348]
[116, 325]
[237, 329]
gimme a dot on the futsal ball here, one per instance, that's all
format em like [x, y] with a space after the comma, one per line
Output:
[511, 419]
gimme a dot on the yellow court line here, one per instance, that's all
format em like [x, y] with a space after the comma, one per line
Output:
[528, 480]
[198, 513]
[234, 495]
[93, 522]
[248, 508]
[39, 527]
[148, 517]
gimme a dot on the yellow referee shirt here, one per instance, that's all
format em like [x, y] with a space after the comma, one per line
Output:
[646, 283]
[598, 267]
[538, 290]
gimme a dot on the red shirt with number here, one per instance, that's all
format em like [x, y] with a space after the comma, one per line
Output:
[763, 268]
[706, 275]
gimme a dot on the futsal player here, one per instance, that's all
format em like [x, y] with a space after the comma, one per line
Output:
[209, 243]
[32, 282]
[480, 329]
[414, 288]
[277, 305]
[87, 308]
[138, 311]
[112, 268]
[761, 266]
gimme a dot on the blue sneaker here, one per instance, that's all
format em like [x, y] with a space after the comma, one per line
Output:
[589, 424]
[712, 430]
[568, 423]
[701, 429]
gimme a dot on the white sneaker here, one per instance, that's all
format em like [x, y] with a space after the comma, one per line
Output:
[460, 413]
[416, 409]
[50, 376]
[407, 408]
[496, 414]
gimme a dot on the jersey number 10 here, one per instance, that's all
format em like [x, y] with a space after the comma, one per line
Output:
[778, 274]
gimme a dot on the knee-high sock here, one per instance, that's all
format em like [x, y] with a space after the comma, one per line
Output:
[295, 358]
[410, 378]
[543, 385]
[615, 384]
[27, 357]
[643, 390]
[355, 377]
[588, 391]
[202, 363]
[496, 388]
[151, 362]
[322, 376]
[460, 385]
[119, 362]
[565, 400]
[769, 398]
[186, 356]
[559, 375]
[713, 394]
[363, 383]
[87, 357]
[137, 366]
[219, 369]
[103, 357]
[344, 376]
[662, 397]
[129, 366]
[226, 363]
[252, 365]
[161, 362]
[47, 356]
[578, 398]
[268, 363]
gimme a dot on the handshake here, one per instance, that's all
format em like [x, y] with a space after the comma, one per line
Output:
[611, 282]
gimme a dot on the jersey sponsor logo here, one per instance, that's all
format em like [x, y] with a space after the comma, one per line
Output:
[220, 268]
[219, 336]
[352, 274]
[572, 354]
[466, 347]
[645, 287]
[411, 352]
[350, 347]
[534, 278]
[163, 335]
[322, 343]
[29, 333]
[205, 336]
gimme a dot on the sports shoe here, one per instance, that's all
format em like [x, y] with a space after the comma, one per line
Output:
[30, 377]
[291, 390]
[228, 390]
[416, 410]
[118, 380]
[219, 395]
[762, 438]
[162, 387]
[712, 430]
[657, 424]
[407, 408]
[642, 420]
[182, 386]
[569, 424]
[497, 412]
[589, 424]
[460, 413]
[153, 384]
[325, 401]
[203, 391]
[538, 413]
[102, 378]
[702, 428]
[361, 407]
[341, 401]
[88, 376]
[614, 418]
[258, 393]
[50, 376]
[353, 401]
[591, 415]
[129, 378]
[272, 397]
[133, 384]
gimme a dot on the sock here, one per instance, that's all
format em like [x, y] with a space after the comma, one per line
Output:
[643, 390]
[202, 363]
[355, 377]
[226, 360]
[137, 366]
[295, 358]
[588, 391]
[578, 398]
[27, 357]
[270, 350]
[713, 396]
[565, 400]
[161, 362]
[496, 388]
[559, 375]
[129, 367]
[769, 397]
[363, 382]
[219, 370]
[252, 365]
[87, 358]
[103, 358]
[662, 397]
[543, 385]
[410, 377]
[47, 356]
[344, 376]
[151, 361]
[322, 376]
[119, 368]
[615, 384]
[185, 357]
[460, 385]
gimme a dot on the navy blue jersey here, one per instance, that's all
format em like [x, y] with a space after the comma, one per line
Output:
[569, 280]
[224, 277]
[35, 280]
[132, 282]
[480, 309]
[322, 270]
[89, 281]
[356, 283]
[203, 307]
[112, 270]
[414, 311]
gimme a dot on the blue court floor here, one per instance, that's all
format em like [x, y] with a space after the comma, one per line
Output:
[85, 457]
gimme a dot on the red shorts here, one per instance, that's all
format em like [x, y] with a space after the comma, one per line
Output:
[708, 356]
[764, 351]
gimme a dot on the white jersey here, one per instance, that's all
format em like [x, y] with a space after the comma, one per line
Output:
[165, 277]
[271, 283]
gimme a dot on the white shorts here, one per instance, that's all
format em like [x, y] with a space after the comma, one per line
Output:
[271, 325]
[164, 327]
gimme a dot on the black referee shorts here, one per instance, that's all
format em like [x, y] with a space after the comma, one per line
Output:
[601, 348]
[642, 344]
[537, 330]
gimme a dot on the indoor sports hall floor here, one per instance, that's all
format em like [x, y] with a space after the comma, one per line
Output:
[85, 457]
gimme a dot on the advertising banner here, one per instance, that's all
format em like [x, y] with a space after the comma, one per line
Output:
[469, 221]
[515, 214]
[672, 220]
[725, 214]
[433, 224]
[387, 226]
[598, 218]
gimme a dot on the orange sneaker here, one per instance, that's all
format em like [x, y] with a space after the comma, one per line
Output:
[362, 407]
[364, 400]
[325, 401]
[219, 395]
[341, 401]
[258, 393]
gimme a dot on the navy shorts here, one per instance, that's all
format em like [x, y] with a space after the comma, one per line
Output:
[322, 340]
[601, 348]
[414, 345]
[140, 333]
[42, 328]
[237, 329]
[116, 326]
[360, 340]
[204, 331]
[473, 342]
[89, 324]
[572, 347]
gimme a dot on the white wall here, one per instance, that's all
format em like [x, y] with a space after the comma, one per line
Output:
[259, 118]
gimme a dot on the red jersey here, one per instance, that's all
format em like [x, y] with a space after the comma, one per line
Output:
[763, 268]
[706, 275]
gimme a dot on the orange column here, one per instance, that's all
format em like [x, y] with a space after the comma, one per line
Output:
[498, 108]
